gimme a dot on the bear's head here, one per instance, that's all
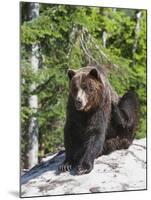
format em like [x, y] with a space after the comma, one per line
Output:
[86, 87]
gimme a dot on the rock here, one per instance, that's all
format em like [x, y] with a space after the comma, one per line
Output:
[118, 171]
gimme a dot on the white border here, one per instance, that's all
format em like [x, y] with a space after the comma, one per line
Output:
[9, 97]
[106, 3]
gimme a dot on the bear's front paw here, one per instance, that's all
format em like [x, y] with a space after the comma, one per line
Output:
[84, 168]
[65, 166]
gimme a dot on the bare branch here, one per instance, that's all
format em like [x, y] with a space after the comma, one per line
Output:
[85, 50]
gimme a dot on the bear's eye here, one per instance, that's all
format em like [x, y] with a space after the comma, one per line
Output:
[91, 89]
[74, 88]
[84, 87]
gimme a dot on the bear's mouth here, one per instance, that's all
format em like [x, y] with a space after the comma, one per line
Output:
[78, 106]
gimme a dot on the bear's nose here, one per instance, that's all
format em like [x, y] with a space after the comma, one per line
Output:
[78, 103]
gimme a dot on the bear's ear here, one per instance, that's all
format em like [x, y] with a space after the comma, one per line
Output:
[71, 73]
[94, 73]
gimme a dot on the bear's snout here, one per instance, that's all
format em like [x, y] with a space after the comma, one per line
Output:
[78, 103]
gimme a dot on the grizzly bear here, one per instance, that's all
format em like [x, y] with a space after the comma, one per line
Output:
[97, 120]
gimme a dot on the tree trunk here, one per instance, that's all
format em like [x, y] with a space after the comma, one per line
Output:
[137, 31]
[104, 38]
[32, 153]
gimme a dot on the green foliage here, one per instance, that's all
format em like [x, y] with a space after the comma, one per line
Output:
[60, 31]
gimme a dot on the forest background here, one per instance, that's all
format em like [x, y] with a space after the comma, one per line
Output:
[57, 37]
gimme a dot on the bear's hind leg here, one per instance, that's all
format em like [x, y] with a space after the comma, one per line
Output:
[124, 119]
[113, 144]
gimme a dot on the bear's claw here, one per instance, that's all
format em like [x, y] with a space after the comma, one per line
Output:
[65, 167]
[81, 170]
